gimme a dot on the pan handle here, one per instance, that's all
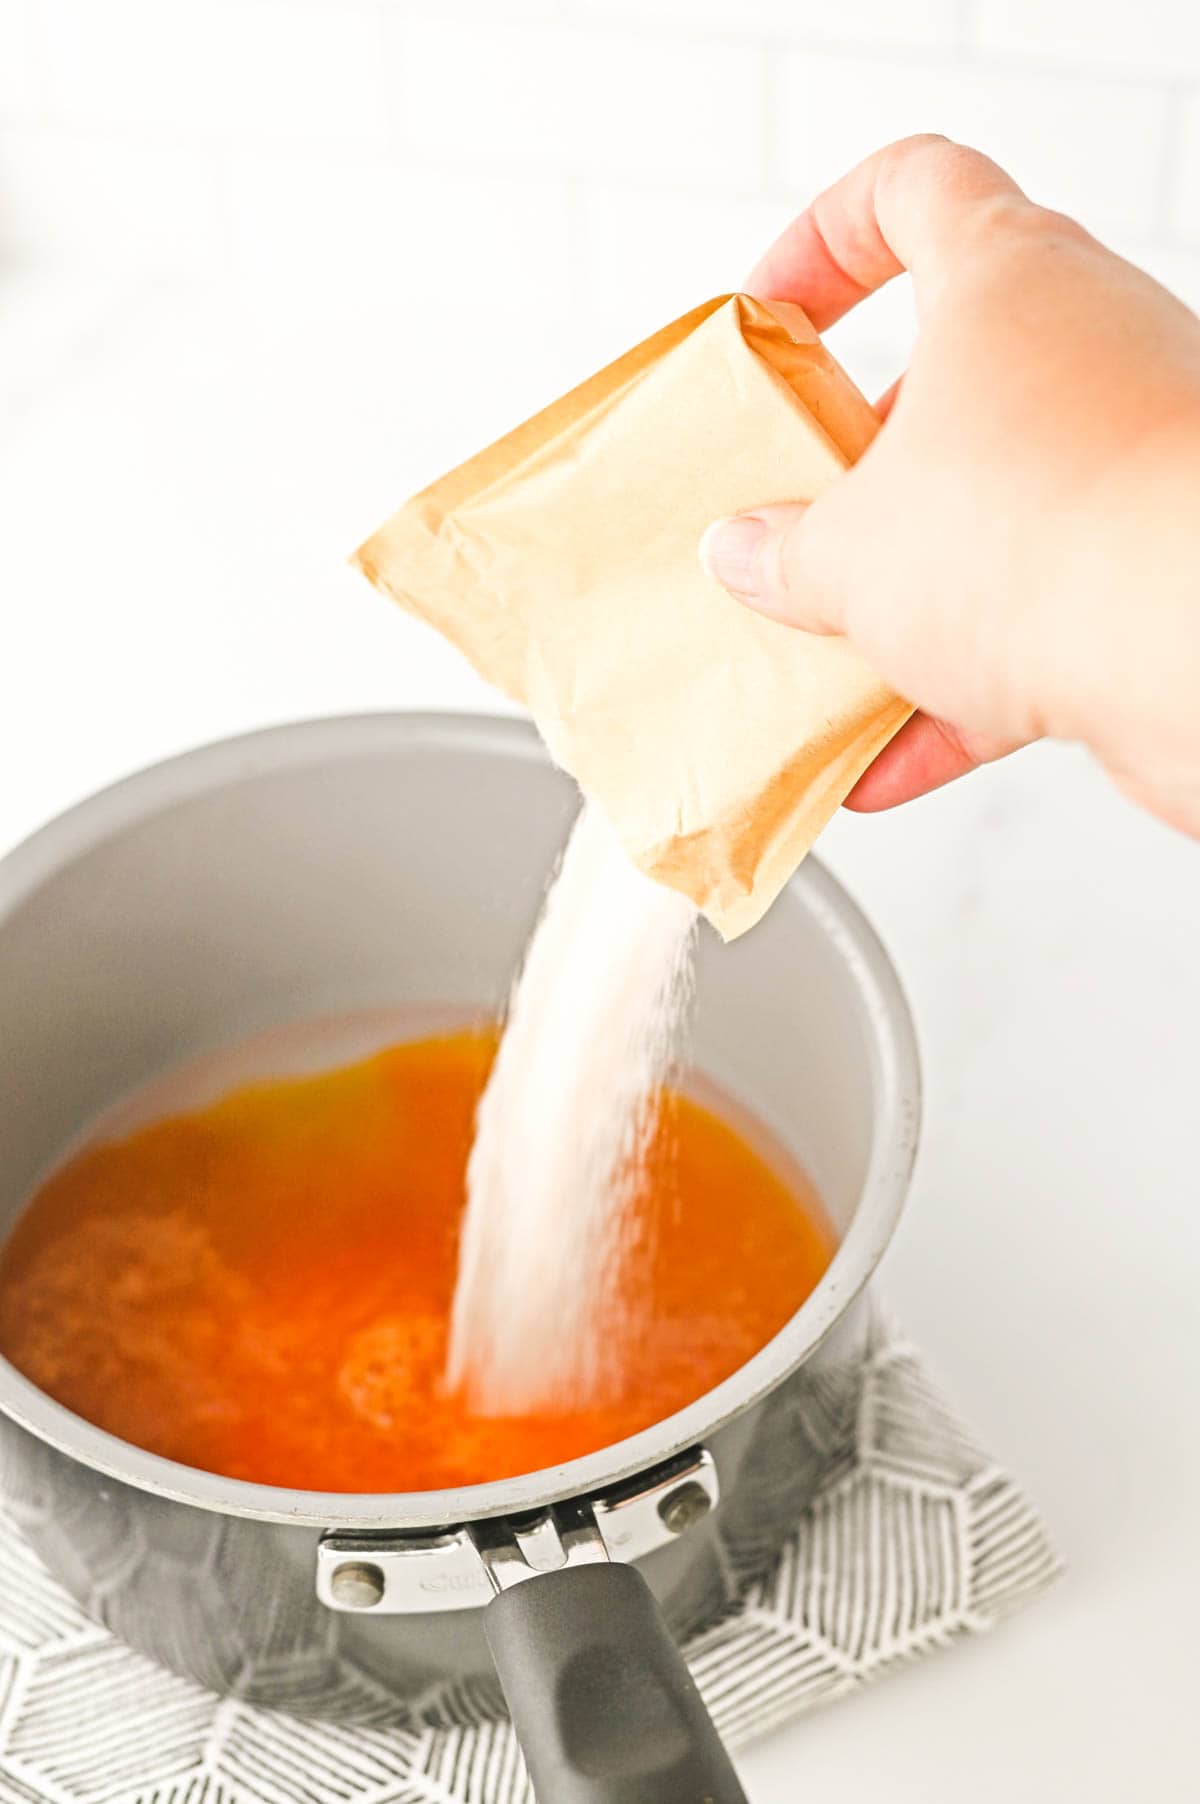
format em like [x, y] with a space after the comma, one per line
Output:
[602, 1702]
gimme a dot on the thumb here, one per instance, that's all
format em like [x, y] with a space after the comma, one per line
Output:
[787, 561]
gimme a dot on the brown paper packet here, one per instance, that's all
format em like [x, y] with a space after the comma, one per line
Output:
[563, 562]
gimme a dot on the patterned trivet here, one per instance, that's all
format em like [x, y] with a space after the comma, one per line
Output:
[914, 1538]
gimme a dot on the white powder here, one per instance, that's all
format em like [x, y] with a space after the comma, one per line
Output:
[561, 1127]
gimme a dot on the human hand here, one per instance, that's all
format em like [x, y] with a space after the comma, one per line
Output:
[1018, 553]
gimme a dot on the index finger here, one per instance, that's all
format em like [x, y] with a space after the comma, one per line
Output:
[900, 209]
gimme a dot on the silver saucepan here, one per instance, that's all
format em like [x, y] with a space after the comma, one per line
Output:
[397, 862]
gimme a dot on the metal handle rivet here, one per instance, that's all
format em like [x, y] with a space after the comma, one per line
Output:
[357, 1585]
[683, 1506]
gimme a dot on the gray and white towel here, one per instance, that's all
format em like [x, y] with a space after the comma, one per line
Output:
[914, 1537]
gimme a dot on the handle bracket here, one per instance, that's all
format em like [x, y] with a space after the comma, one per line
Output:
[508, 1551]
[409, 1572]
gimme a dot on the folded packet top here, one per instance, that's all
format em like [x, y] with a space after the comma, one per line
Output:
[562, 560]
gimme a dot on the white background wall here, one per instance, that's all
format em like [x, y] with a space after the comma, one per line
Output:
[264, 267]
[272, 262]
[626, 154]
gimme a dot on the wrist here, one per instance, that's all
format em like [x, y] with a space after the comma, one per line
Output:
[1126, 665]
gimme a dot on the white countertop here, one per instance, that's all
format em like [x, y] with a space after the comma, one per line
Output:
[182, 474]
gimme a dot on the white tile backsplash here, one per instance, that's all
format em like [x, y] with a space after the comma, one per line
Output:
[365, 231]
[576, 100]
[620, 157]
[892, 22]
[1095, 149]
[1187, 193]
[230, 68]
[104, 204]
[1160, 37]
[22, 66]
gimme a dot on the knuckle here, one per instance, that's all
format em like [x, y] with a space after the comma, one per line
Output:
[1015, 231]
[1045, 227]
[779, 560]
[803, 571]
[932, 152]
[949, 170]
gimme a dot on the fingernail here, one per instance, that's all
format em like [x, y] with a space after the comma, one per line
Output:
[729, 552]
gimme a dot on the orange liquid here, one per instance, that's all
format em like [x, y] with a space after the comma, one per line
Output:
[261, 1287]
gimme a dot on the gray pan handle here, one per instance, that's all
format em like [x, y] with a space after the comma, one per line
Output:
[603, 1705]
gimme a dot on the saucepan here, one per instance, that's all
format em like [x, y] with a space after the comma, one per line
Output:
[392, 862]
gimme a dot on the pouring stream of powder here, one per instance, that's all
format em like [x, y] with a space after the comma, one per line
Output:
[561, 1127]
